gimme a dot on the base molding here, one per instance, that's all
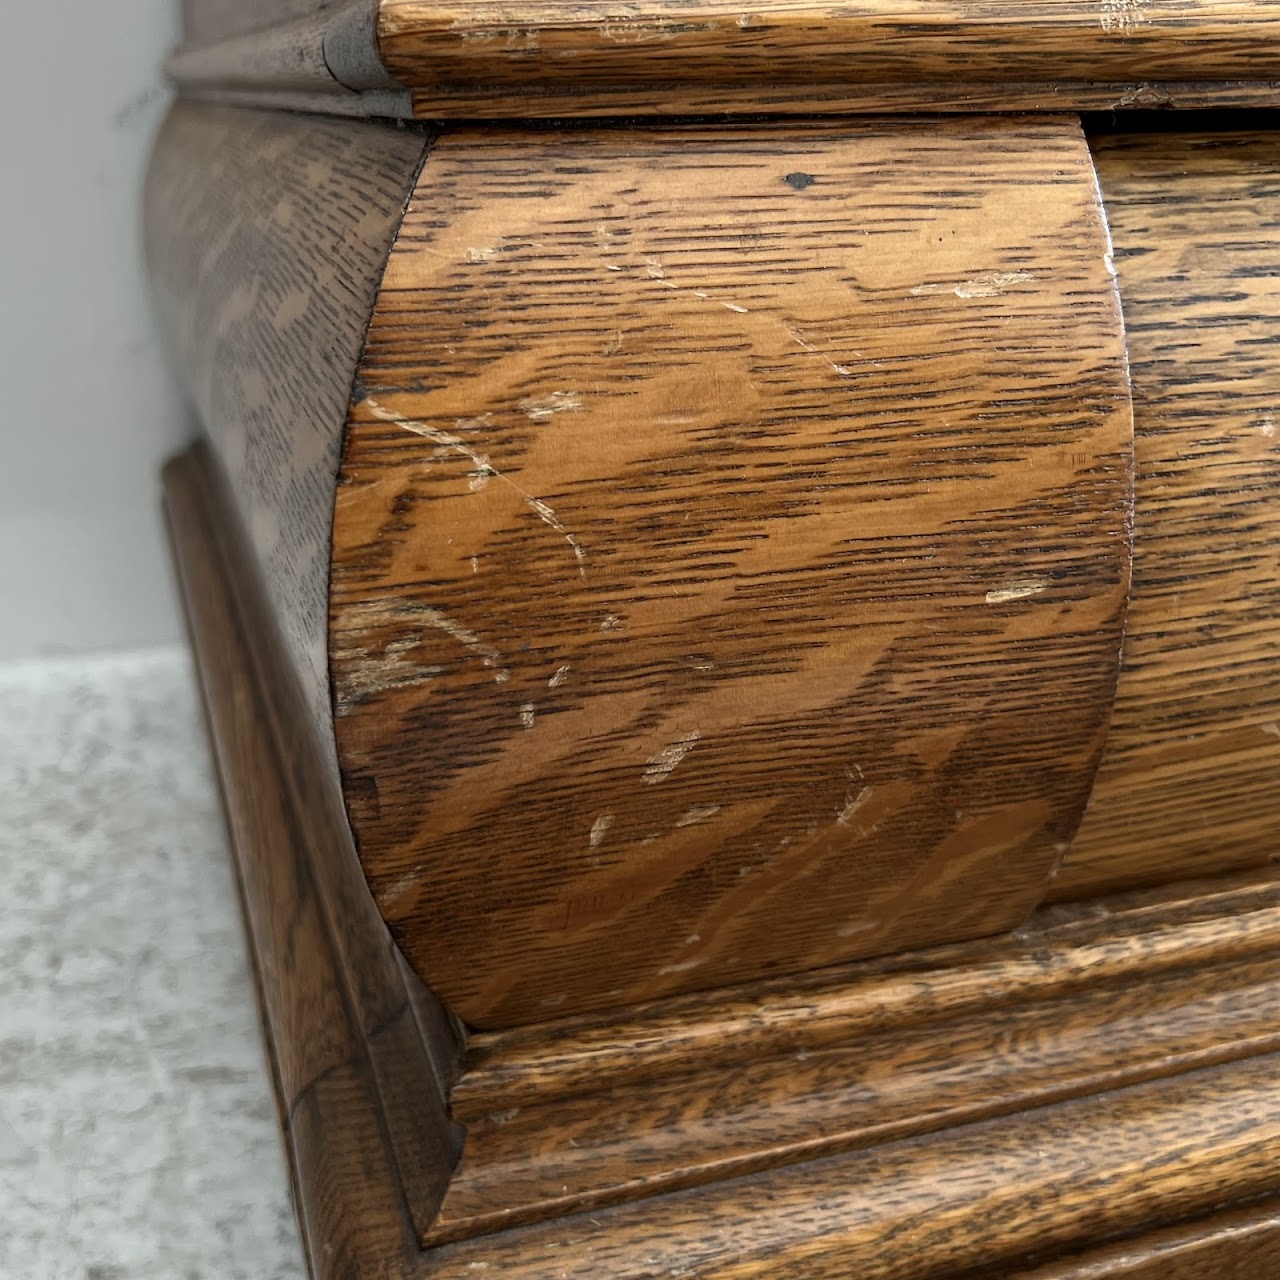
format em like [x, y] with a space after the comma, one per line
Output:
[1095, 1096]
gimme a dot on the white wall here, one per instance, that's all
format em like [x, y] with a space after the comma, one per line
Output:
[88, 407]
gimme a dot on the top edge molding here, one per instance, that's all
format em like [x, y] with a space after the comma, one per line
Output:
[499, 59]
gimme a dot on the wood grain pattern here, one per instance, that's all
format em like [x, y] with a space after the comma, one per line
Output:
[944, 1205]
[980, 1197]
[1112, 942]
[592, 56]
[1240, 1245]
[555, 60]
[577, 1152]
[730, 551]
[808, 99]
[266, 238]
[1190, 781]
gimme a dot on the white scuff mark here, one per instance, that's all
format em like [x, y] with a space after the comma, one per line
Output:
[547, 516]
[445, 441]
[528, 714]
[544, 407]
[561, 675]
[600, 829]
[990, 285]
[611, 623]
[475, 564]
[683, 967]
[1017, 589]
[467, 639]
[852, 804]
[855, 926]
[1267, 426]
[699, 813]
[843, 370]
[393, 892]
[482, 253]
[1271, 729]
[693, 939]
[660, 766]
[655, 269]
[1120, 16]
[733, 306]
[484, 469]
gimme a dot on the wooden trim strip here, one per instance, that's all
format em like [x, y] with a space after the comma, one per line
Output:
[516, 1068]
[1230, 1246]
[955, 1204]
[574, 1154]
[323, 965]
[501, 102]
[496, 59]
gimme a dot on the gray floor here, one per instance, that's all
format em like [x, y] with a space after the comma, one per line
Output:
[137, 1133]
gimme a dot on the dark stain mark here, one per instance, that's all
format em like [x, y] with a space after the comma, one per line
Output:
[798, 181]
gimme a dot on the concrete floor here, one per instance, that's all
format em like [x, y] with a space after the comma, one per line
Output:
[138, 1136]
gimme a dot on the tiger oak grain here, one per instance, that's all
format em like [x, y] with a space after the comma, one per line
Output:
[730, 551]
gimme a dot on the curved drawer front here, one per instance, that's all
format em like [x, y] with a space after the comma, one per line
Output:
[731, 549]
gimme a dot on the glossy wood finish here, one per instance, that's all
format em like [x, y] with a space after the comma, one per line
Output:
[1190, 782]
[496, 59]
[730, 552]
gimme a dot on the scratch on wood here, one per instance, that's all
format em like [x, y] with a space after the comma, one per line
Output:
[1017, 589]
[528, 714]
[1270, 728]
[561, 675]
[1120, 16]
[990, 285]
[843, 370]
[698, 813]
[544, 407]
[852, 805]
[600, 829]
[661, 765]
[484, 468]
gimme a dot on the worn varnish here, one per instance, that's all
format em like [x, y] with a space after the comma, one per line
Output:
[730, 552]
[1190, 781]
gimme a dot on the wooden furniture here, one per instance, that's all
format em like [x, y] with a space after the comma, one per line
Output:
[740, 642]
